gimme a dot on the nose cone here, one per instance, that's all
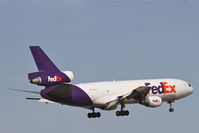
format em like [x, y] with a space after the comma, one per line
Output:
[185, 89]
[190, 90]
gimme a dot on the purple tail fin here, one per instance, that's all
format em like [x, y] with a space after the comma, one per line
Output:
[42, 61]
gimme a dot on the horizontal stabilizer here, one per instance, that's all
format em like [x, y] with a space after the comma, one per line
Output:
[39, 99]
[27, 91]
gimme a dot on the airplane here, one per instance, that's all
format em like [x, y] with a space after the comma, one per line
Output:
[105, 95]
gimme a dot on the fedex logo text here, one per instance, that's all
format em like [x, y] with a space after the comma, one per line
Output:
[156, 100]
[54, 79]
[164, 87]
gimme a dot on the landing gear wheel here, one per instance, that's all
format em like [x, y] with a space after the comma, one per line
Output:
[93, 114]
[171, 110]
[89, 115]
[122, 113]
[117, 113]
[98, 114]
[126, 112]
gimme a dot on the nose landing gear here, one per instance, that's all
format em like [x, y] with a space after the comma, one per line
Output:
[122, 112]
[171, 109]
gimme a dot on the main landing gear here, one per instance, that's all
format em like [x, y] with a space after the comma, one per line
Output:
[171, 109]
[94, 114]
[122, 112]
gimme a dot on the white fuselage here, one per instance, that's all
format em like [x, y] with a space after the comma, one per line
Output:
[168, 89]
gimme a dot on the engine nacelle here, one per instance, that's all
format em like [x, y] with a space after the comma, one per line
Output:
[46, 78]
[70, 74]
[153, 101]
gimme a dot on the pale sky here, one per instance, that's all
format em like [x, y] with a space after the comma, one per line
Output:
[99, 40]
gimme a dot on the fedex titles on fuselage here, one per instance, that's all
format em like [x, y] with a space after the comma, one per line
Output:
[163, 88]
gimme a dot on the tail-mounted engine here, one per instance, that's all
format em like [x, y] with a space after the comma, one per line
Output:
[47, 78]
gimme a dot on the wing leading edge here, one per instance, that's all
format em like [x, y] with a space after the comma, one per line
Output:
[137, 94]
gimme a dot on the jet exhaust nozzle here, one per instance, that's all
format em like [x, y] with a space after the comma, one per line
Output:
[36, 80]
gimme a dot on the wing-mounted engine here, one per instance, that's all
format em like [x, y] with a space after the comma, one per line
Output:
[141, 94]
[46, 78]
[153, 101]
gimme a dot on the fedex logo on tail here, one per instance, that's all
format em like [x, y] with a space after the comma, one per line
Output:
[54, 79]
[164, 87]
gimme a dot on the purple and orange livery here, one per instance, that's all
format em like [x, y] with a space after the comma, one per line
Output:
[163, 88]
[105, 95]
[47, 70]
[55, 81]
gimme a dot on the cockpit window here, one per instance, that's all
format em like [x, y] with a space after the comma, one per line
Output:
[189, 85]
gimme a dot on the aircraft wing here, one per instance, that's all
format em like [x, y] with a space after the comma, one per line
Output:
[137, 94]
